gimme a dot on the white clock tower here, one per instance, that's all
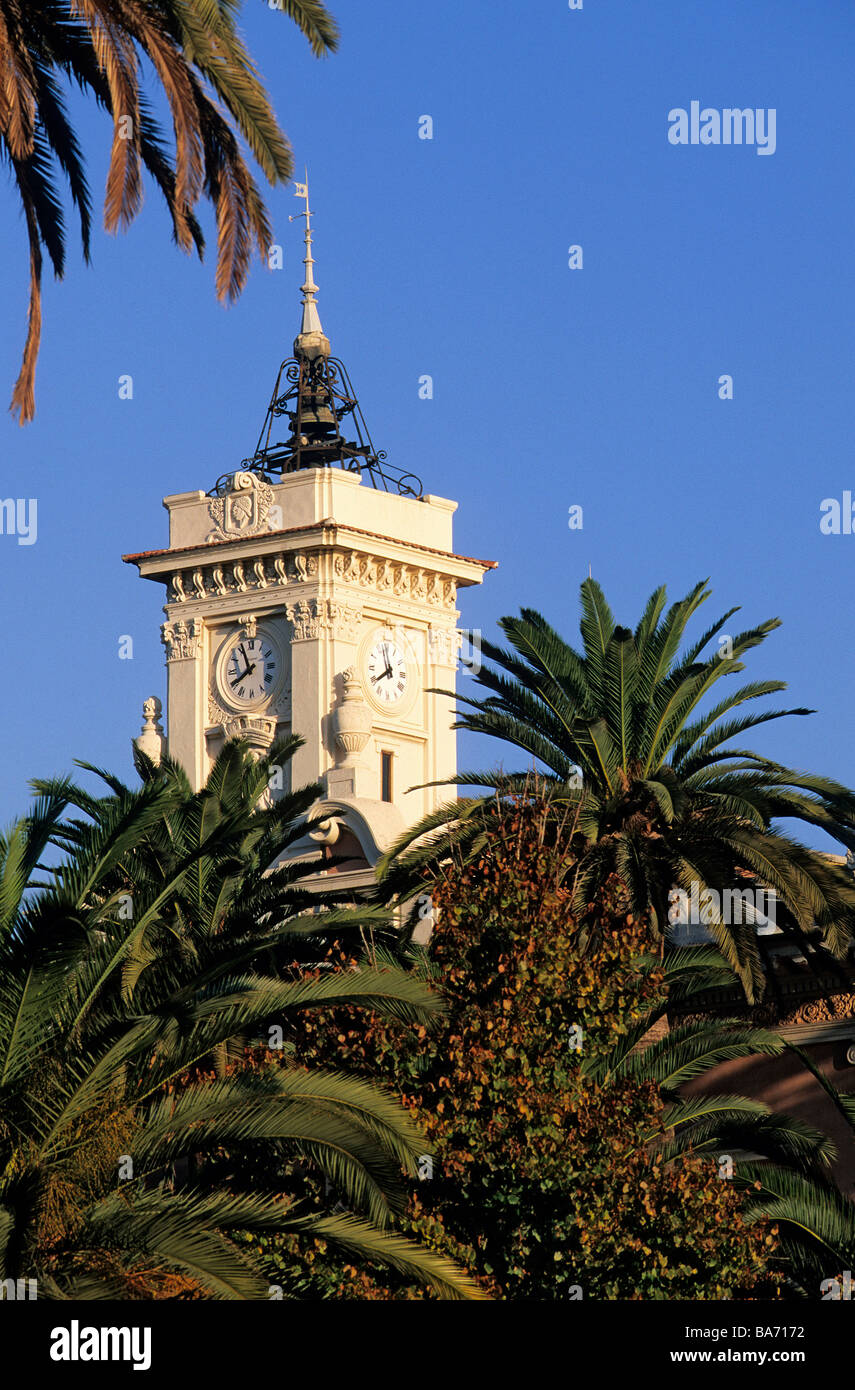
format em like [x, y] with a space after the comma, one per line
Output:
[314, 591]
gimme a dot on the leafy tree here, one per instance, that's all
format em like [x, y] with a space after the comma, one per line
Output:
[109, 1020]
[565, 1156]
[662, 798]
[213, 90]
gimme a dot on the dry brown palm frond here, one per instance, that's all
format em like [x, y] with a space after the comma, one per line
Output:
[241, 214]
[17, 94]
[24, 392]
[176, 80]
[234, 245]
[117, 59]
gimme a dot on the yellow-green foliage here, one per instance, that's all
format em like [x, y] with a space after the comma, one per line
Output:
[547, 1184]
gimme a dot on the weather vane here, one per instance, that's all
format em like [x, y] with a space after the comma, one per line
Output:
[301, 190]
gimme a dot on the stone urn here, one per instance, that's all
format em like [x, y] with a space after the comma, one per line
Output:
[351, 720]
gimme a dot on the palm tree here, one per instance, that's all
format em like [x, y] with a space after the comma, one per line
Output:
[206, 76]
[707, 1123]
[627, 740]
[118, 980]
[204, 858]
[815, 1219]
[781, 1164]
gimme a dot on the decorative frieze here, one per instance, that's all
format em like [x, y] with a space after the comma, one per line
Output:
[351, 567]
[311, 618]
[182, 640]
[831, 1011]
[362, 571]
[305, 619]
[390, 577]
[443, 644]
[344, 621]
[216, 581]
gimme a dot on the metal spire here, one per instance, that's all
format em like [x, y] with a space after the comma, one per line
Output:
[311, 341]
[314, 392]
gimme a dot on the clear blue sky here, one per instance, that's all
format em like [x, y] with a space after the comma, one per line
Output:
[552, 387]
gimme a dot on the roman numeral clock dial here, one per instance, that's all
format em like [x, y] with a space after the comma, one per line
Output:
[386, 670]
[249, 670]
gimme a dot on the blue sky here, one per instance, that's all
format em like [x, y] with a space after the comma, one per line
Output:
[552, 387]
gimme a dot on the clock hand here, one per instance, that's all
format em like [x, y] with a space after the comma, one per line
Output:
[243, 675]
[249, 668]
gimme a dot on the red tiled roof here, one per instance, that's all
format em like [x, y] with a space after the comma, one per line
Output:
[298, 530]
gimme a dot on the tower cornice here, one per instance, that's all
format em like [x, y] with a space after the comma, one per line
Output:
[327, 534]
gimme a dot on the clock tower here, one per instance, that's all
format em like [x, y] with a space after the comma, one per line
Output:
[313, 590]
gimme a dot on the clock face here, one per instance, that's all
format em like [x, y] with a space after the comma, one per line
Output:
[250, 670]
[386, 671]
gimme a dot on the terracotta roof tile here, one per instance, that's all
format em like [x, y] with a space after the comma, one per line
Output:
[299, 530]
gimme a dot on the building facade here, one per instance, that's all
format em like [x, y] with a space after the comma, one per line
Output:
[313, 591]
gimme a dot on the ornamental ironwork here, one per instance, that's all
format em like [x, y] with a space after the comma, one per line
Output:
[315, 396]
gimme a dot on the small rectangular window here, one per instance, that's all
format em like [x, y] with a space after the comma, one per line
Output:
[385, 776]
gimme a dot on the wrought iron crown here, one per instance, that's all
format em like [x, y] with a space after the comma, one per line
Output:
[316, 396]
